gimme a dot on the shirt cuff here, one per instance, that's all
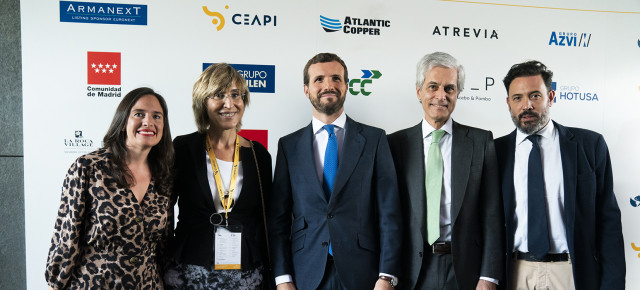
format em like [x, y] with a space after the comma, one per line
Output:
[284, 279]
[494, 281]
[391, 276]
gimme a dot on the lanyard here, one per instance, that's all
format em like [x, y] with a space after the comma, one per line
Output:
[226, 197]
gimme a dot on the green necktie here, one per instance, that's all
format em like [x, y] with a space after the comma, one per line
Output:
[433, 183]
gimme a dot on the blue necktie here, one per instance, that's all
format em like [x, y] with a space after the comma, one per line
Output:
[330, 165]
[538, 231]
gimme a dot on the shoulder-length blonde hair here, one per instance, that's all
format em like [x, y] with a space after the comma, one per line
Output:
[216, 79]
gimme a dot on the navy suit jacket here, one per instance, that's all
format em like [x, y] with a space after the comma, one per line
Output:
[592, 216]
[476, 213]
[361, 219]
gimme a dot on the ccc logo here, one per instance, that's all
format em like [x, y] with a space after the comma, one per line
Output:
[218, 19]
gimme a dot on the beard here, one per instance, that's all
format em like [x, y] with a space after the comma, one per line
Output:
[328, 108]
[532, 126]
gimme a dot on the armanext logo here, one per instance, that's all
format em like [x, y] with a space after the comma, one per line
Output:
[103, 13]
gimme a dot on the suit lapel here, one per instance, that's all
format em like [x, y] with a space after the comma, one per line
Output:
[507, 182]
[305, 163]
[568, 153]
[198, 148]
[413, 157]
[351, 152]
[461, 155]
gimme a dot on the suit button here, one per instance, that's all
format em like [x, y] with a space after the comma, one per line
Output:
[329, 216]
[324, 244]
[139, 218]
[134, 260]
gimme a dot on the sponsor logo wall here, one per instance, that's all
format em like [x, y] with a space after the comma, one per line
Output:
[81, 58]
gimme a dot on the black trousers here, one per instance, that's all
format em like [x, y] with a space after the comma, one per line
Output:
[436, 272]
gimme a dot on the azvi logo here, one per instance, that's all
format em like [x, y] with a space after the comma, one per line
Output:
[357, 86]
[570, 39]
[240, 18]
[218, 19]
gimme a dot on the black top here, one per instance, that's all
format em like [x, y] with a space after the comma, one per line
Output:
[193, 241]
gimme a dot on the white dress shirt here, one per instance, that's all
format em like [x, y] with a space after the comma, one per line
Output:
[553, 188]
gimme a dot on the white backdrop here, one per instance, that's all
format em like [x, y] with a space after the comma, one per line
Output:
[167, 50]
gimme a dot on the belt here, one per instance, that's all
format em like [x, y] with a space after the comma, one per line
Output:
[547, 258]
[441, 248]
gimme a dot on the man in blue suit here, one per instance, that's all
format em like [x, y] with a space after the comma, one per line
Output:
[334, 216]
[562, 219]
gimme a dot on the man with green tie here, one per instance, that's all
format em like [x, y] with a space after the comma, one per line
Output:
[449, 190]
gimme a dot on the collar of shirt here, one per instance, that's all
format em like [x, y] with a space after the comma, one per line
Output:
[548, 133]
[339, 123]
[427, 128]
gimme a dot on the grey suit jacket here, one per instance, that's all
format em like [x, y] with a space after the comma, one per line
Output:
[477, 220]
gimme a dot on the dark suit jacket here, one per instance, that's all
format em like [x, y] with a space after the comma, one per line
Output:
[476, 215]
[592, 216]
[361, 219]
[193, 242]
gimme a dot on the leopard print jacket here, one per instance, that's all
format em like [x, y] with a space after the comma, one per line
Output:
[104, 238]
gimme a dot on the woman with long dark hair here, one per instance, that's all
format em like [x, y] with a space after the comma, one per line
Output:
[115, 214]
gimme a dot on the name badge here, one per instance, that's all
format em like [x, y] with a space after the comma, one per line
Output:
[228, 248]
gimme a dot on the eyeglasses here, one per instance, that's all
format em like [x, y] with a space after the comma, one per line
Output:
[232, 96]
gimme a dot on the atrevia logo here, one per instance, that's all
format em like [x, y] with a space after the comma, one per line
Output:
[572, 93]
[259, 78]
[570, 39]
[240, 18]
[465, 32]
[354, 25]
[103, 13]
[635, 201]
[476, 93]
[103, 68]
[357, 86]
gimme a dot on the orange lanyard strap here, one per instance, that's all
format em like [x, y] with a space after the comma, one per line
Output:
[226, 197]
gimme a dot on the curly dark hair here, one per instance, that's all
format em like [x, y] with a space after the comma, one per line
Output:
[160, 157]
[527, 69]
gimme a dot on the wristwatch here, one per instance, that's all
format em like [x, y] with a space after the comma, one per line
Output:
[393, 281]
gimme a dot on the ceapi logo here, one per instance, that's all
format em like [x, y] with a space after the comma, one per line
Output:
[635, 248]
[240, 18]
[218, 19]
[357, 86]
